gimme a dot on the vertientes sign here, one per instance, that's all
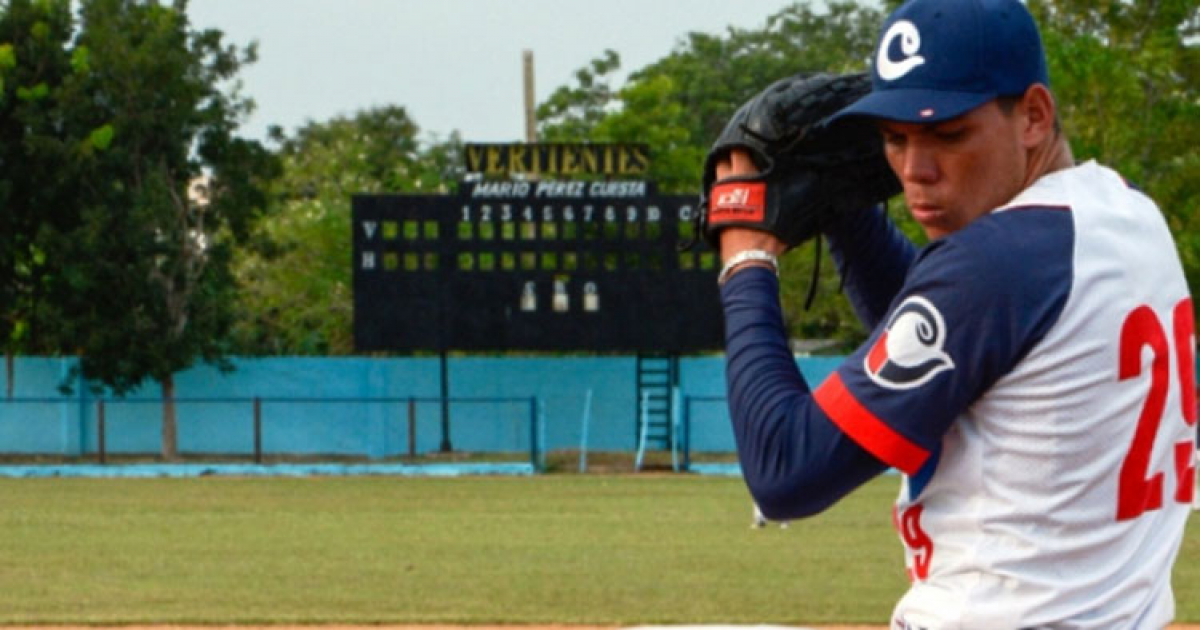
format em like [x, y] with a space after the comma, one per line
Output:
[611, 160]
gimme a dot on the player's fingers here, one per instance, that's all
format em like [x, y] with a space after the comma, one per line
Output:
[724, 168]
[737, 162]
[742, 163]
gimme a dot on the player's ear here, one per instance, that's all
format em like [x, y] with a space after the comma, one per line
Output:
[1037, 105]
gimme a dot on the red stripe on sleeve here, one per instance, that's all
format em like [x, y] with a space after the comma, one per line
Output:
[866, 429]
[878, 353]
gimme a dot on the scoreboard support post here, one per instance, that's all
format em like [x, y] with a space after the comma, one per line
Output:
[445, 446]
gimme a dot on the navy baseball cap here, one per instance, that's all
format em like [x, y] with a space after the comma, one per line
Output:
[938, 59]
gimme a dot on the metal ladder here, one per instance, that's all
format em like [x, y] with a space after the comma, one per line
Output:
[657, 375]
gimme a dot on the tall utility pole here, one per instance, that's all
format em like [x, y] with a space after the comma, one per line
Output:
[530, 115]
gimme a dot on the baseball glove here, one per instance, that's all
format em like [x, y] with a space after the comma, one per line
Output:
[809, 169]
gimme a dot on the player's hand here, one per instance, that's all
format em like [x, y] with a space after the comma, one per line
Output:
[805, 170]
[737, 239]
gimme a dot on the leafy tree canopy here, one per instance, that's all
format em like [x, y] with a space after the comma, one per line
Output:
[125, 188]
[296, 284]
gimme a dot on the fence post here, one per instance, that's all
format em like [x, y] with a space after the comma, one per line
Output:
[541, 434]
[446, 447]
[412, 427]
[533, 434]
[100, 446]
[644, 423]
[257, 430]
[583, 431]
[674, 432]
[686, 430]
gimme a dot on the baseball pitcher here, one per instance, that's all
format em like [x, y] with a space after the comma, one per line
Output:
[1030, 371]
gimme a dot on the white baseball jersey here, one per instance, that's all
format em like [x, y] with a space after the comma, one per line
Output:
[1034, 380]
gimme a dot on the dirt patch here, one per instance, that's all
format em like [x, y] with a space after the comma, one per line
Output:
[1187, 626]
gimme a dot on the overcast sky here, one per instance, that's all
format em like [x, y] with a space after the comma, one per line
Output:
[454, 64]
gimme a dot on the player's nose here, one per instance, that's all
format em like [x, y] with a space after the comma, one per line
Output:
[917, 165]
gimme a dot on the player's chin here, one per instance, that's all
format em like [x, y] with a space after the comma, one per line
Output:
[934, 224]
[933, 233]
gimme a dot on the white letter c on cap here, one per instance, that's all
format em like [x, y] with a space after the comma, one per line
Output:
[910, 43]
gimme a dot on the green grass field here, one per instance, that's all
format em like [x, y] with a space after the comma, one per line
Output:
[602, 549]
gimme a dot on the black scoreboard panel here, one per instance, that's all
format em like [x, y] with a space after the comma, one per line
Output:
[542, 266]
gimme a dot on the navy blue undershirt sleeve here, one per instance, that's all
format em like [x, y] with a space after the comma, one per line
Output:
[873, 257]
[795, 461]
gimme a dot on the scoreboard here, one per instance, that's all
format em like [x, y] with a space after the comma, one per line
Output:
[533, 265]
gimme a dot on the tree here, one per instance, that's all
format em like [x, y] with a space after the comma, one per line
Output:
[571, 113]
[42, 154]
[148, 266]
[1126, 76]
[296, 283]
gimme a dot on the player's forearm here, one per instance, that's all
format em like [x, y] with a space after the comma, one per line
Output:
[795, 461]
[873, 257]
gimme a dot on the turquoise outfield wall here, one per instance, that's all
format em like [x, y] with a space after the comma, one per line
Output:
[315, 406]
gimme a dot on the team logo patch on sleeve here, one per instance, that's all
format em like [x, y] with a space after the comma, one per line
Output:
[909, 351]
